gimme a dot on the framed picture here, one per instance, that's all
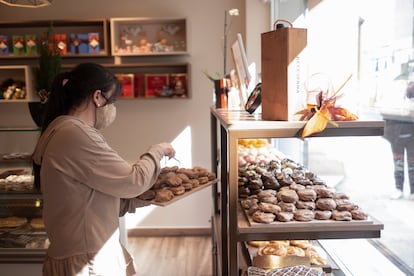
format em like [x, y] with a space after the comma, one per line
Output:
[128, 87]
[242, 68]
[156, 85]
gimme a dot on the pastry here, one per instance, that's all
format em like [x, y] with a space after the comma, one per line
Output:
[172, 179]
[269, 199]
[249, 202]
[301, 243]
[295, 251]
[258, 243]
[183, 177]
[284, 216]
[178, 190]
[270, 250]
[12, 222]
[325, 204]
[324, 192]
[345, 205]
[358, 214]
[287, 207]
[163, 195]
[37, 223]
[287, 195]
[187, 186]
[310, 205]
[314, 256]
[269, 208]
[304, 215]
[341, 215]
[307, 194]
[203, 179]
[323, 215]
[263, 217]
[194, 182]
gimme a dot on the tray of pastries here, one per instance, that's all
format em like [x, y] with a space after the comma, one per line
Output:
[282, 253]
[284, 192]
[16, 180]
[175, 183]
[22, 232]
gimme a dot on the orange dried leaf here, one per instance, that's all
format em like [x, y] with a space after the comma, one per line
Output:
[342, 114]
[316, 124]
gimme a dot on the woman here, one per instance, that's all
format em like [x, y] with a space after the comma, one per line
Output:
[85, 184]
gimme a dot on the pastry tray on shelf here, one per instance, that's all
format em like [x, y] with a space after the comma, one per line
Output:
[369, 228]
[329, 267]
[186, 194]
[313, 223]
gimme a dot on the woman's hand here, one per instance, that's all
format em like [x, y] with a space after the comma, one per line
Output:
[167, 149]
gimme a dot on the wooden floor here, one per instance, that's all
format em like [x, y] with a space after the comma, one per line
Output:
[172, 256]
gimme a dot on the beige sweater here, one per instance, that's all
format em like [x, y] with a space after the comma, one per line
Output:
[82, 182]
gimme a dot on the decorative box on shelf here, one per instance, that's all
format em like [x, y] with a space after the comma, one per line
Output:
[148, 36]
[87, 37]
[16, 83]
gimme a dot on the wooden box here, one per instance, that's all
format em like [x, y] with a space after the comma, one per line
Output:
[282, 72]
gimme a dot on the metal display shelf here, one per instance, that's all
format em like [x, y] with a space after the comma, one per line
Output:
[230, 225]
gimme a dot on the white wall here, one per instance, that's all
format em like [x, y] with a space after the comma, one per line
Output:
[142, 123]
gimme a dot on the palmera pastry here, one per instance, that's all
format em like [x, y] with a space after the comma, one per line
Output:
[341, 215]
[263, 217]
[310, 205]
[178, 190]
[266, 193]
[304, 215]
[284, 216]
[345, 205]
[203, 179]
[270, 250]
[269, 199]
[314, 256]
[323, 215]
[295, 251]
[258, 243]
[325, 192]
[147, 195]
[301, 243]
[325, 204]
[358, 214]
[172, 179]
[307, 194]
[37, 223]
[287, 207]
[194, 182]
[12, 221]
[249, 202]
[183, 177]
[163, 195]
[287, 195]
[187, 186]
[269, 208]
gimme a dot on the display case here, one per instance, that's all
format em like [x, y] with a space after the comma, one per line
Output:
[16, 84]
[73, 38]
[22, 235]
[230, 226]
[148, 36]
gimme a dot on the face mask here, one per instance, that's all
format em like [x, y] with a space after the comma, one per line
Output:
[105, 115]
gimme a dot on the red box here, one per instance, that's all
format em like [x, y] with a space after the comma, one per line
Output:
[60, 42]
[178, 84]
[139, 83]
[128, 87]
[156, 84]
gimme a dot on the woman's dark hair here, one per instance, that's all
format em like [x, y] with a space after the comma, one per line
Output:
[70, 89]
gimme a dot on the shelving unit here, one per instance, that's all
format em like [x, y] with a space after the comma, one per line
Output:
[22, 74]
[148, 53]
[148, 36]
[229, 225]
[38, 28]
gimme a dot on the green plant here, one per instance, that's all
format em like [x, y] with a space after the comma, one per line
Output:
[49, 65]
